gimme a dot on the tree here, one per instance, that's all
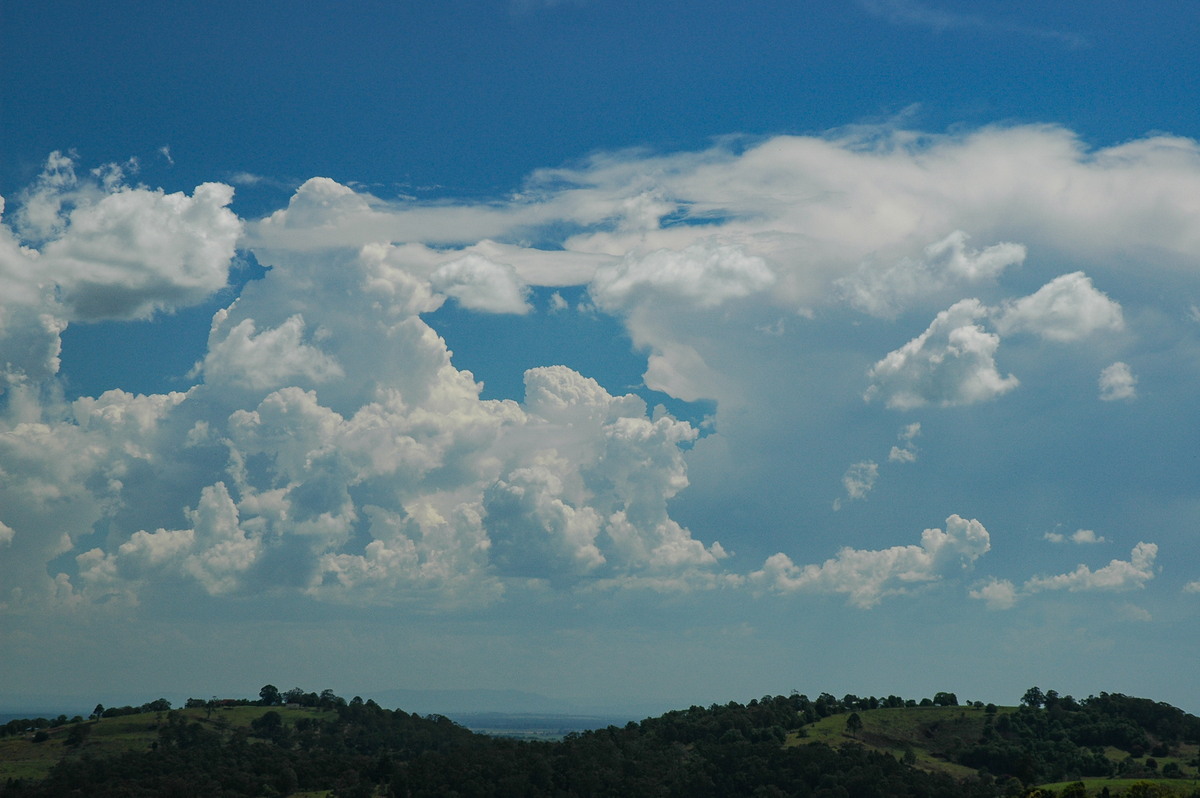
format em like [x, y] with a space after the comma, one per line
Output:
[98, 711]
[1033, 698]
[269, 695]
[854, 724]
[945, 700]
[79, 733]
[268, 725]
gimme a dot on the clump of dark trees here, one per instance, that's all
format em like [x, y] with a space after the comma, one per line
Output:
[362, 749]
[1056, 738]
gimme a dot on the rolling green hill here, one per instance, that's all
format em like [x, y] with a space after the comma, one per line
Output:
[1111, 745]
[941, 738]
[927, 735]
[23, 758]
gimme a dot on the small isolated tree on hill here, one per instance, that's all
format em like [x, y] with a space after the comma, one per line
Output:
[1033, 698]
[269, 725]
[270, 696]
[79, 733]
[1075, 790]
[854, 724]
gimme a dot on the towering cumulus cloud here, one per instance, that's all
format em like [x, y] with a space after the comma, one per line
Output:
[333, 449]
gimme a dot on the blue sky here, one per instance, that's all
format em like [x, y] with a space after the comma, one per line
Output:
[636, 354]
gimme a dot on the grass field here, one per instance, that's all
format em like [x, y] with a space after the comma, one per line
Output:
[21, 758]
[925, 731]
[929, 733]
[1119, 787]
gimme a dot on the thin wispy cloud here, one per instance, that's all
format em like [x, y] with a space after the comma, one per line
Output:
[938, 20]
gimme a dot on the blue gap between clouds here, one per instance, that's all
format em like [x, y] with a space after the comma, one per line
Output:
[498, 348]
[155, 356]
[151, 356]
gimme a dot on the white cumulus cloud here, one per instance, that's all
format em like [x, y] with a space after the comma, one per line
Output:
[1068, 308]
[951, 363]
[481, 284]
[868, 576]
[999, 594]
[269, 358]
[705, 274]
[886, 290]
[906, 452]
[535, 532]
[1117, 383]
[859, 480]
[1080, 536]
[93, 248]
[116, 252]
[1128, 574]
[1117, 576]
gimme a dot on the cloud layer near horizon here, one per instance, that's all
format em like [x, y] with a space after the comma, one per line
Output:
[331, 448]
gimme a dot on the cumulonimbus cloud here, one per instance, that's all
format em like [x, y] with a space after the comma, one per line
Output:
[332, 449]
[330, 446]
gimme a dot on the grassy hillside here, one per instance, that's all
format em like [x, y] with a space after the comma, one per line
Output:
[23, 758]
[930, 734]
[934, 737]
